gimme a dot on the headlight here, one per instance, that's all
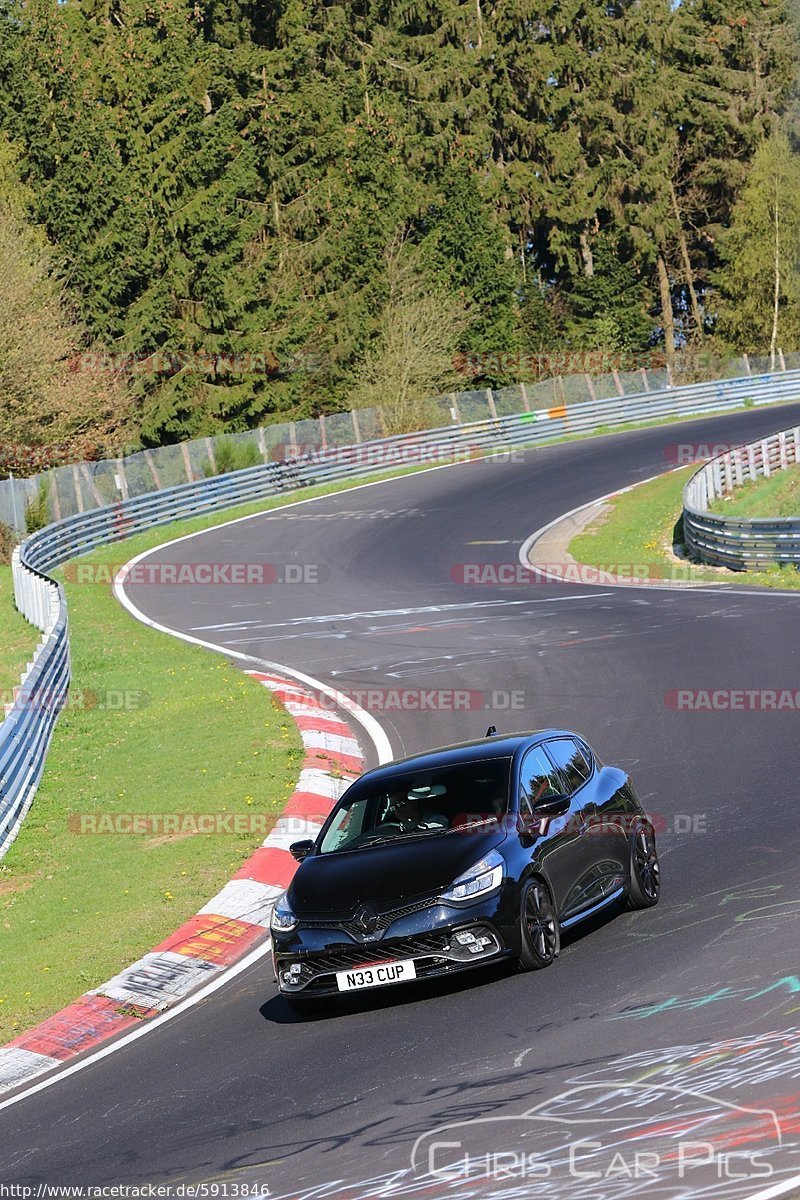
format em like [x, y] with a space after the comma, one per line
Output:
[485, 877]
[283, 919]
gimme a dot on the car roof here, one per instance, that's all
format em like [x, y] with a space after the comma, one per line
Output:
[485, 748]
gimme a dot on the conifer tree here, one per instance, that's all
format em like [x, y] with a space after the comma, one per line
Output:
[759, 281]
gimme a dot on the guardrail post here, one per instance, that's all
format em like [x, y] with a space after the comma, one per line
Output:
[645, 380]
[765, 458]
[491, 403]
[14, 514]
[746, 361]
[77, 481]
[739, 469]
[187, 462]
[782, 449]
[123, 478]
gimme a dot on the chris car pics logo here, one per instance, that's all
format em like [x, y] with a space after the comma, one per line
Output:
[600, 1134]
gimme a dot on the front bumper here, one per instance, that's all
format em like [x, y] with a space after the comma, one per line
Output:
[307, 961]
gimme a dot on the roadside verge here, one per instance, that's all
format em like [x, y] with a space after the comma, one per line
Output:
[226, 929]
[633, 538]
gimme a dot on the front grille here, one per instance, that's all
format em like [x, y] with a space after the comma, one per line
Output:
[434, 953]
[341, 958]
[348, 924]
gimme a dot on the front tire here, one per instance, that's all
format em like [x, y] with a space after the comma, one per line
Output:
[540, 936]
[645, 874]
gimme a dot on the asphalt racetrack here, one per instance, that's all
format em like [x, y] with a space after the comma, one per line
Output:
[660, 1055]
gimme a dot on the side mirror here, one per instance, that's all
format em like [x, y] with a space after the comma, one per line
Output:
[551, 806]
[301, 850]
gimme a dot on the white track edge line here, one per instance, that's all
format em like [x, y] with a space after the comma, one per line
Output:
[372, 728]
[148, 1024]
[705, 587]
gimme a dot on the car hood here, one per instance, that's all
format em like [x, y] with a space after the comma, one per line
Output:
[387, 876]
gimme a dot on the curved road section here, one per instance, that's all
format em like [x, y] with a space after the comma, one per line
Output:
[660, 1055]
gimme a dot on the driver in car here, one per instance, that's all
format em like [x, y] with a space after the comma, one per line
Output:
[412, 813]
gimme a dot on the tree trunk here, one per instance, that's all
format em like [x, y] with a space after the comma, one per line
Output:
[687, 264]
[777, 291]
[667, 317]
[276, 213]
[586, 254]
[367, 106]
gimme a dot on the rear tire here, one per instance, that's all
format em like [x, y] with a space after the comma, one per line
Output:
[645, 874]
[540, 936]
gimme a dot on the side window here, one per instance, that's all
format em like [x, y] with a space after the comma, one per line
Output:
[589, 754]
[570, 760]
[538, 779]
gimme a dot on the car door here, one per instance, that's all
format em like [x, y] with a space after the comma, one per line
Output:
[556, 843]
[592, 802]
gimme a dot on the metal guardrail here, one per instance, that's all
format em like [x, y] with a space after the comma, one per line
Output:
[741, 542]
[26, 731]
[573, 379]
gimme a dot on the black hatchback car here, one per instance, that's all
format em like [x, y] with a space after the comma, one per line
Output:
[446, 860]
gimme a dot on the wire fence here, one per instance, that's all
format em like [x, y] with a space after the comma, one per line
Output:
[81, 487]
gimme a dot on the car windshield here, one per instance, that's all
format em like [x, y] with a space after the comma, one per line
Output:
[419, 803]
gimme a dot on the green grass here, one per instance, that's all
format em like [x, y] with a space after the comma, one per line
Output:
[638, 533]
[778, 496]
[75, 909]
[18, 639]
[201, 737]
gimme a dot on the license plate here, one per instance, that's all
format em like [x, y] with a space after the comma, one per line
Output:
[376, 975]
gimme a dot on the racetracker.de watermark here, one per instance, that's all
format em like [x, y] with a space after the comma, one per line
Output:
[173, 824]
[44, 699]
[205, 574]
[415, 699]
[566, 362]
[395, 454]
[684, 454]
[197, 362]
[516, 574]
[733, 699]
